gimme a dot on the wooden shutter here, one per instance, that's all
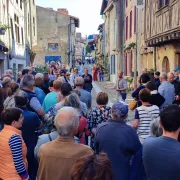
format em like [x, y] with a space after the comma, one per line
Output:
[135, 19]
[126, 27]
[130, 29]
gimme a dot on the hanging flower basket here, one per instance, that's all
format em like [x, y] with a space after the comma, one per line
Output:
[3, 28]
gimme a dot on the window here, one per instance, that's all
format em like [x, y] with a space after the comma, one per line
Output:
[22, 34]
[21, 3]
[17, 1]
[126, 3]
[162, 3]
[16, 21]
[113, 64]
[135, 19]
[126, 27]
[28, 24]
[34, 27]
[12, 29]
[130, 29]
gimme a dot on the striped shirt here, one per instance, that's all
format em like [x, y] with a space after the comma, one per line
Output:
[145, 114]
[15, 143]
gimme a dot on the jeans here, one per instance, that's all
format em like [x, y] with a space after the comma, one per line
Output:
[123, 95]
[101, 77]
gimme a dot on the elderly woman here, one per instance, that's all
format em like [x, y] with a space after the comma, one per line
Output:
[9, 101]
[98, 115]
[13, 162]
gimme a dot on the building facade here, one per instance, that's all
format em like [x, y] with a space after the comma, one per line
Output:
[56, 33]
[80, 47]
[20, 19]
[113, 13]
[162, 32]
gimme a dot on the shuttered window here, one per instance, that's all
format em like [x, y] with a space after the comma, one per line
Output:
[126, 27]
[130, 29]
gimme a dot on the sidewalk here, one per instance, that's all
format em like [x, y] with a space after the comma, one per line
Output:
[112, 94]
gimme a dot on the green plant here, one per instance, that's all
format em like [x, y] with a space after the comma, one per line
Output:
[41, 69]
[88, 49]
[127, 48]
[129, 81]
[4, 26]
[132, 44]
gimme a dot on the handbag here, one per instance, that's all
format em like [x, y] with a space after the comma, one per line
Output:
[133, 105]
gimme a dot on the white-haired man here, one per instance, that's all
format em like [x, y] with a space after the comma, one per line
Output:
[166, 89]
[85, 95]
[27, 84]
[64, 151]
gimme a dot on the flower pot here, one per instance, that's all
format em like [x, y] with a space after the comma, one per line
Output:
[2, 31]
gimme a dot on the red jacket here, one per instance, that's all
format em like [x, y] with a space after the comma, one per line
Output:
[83, 129]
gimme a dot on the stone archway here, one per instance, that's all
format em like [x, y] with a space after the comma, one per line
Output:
[165, 65]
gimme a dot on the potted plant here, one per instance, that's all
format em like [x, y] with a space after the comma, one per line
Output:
[3, 28]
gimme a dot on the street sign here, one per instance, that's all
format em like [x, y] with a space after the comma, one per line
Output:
[140, 4]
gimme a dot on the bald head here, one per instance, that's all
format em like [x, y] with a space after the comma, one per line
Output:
[170, 77]
[163, 77]
[79, 81]
[67, 121]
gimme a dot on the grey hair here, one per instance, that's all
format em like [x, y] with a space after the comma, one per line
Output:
[116, 114]
[73, 101]
[79, 81]
[61, 79]
[155, 128]
[9, 71]
[77, 92]
[21, 93]
[27, 81]
[72, 123]
[39, 75]
[163, 75]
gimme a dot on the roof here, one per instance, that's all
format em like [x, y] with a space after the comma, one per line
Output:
[72, 17]
[103, 6]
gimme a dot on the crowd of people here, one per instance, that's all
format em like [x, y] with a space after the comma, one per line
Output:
[49, 129]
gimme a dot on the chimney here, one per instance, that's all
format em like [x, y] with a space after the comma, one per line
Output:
[63, 11]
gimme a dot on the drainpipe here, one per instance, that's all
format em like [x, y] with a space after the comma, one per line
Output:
[155, 65]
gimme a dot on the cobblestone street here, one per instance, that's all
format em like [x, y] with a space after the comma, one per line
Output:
[113, 96]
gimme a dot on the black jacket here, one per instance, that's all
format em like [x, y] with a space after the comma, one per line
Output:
[156, 99]
[87, 81]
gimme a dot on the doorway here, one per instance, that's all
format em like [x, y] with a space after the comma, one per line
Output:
[165, 65]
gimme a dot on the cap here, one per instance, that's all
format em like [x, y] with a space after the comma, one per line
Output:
[157, 73]
[62, 71]
[177, 69]
[121, 108]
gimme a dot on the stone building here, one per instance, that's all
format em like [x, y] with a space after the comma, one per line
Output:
[56, 32]
[20, 18]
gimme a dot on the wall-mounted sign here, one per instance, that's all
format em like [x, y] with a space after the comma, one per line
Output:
[53, 47]
[52, 59]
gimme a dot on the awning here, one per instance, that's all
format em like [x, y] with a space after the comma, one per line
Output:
[3, 47]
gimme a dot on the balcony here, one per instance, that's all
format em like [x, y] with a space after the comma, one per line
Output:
[163, 25]
[18, 50]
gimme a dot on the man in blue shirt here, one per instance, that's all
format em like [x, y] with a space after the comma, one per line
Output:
[161, 156]
[118, 140]
[166, 89]
[31, 123]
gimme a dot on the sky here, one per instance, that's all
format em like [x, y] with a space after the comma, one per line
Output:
[88, 11]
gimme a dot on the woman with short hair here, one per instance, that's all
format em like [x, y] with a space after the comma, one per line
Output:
[13, 162]
[99, 115]
[9, 101]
